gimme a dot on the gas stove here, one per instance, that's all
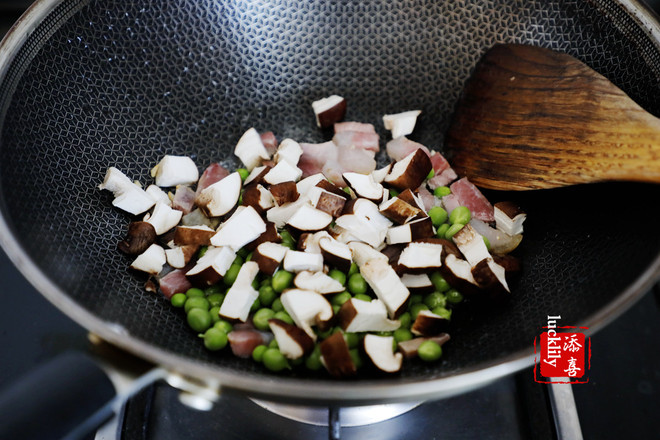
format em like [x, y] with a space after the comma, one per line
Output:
[621, 396]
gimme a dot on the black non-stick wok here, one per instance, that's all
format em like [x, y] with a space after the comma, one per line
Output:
[85, 85]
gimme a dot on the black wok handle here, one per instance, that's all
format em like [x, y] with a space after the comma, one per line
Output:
[52, 400]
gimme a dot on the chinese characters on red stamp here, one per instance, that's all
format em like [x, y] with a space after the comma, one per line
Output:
[561, 352]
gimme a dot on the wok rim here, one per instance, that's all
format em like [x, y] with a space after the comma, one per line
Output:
[292, 389]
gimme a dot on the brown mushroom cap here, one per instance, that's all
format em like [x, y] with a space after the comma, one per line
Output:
[409, 347]
[410, 171]
[428, 323]
[285, 192]
[193, 235]
[329, 110]
[331, 203]
[336, 356]
[399, 211]
[139, 237]
[293, 342]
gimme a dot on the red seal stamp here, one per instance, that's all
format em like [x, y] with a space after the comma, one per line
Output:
[562, 354]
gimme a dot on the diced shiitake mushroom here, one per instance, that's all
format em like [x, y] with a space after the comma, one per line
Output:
[458, 274]
[386, 284]
[309, 242]
[150, 261]
[221, 197]
[292, 341]
[412, 199]
[428, 323]
[199, 235]
[307, 308]
[289, 151]
[250, 149]
[326, 201]
[244, 226]
[491, 277]
[401, 124]
[364, 185]
[129, 197]
[164, 218]
[283, 172]
[241, 295]
[420, 257]
[317, 282]
[285, 192]
[308, 218]
[417, 283]
[258, 197]
[362, 253]
[308, 183]
[329, 110]
[178, 257]
[379, 350]
[399, 211]
[410, 171]
[409, 348]
[509, 218]
[335, 253]
[158, 195]
[380, 174]
[257, 175]
[336, 357]
[139, 237]
[281, 214]
[296, 261]
[356, 315]
[269, 256]
[471, 245]
[366, 223]
[211, 267]
[270, 235]
[414, 230]
[175, 170]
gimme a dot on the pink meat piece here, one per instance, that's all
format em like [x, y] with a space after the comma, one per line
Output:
[315, 156]
[443, 179]
[184, 199]
[356, 160]
[360, 127]
[270, 142]
[212, 174]
[427, 198]
[174, 282]
[439, 162]
[400, 147]
[470, 196]
[450, 202]
[333, 171]
[243, 342]
[357, 139]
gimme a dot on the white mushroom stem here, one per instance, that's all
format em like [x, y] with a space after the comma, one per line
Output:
[281, 214]
[387, 285]
[129, 197]
[164, 218]
[176, 170]
[150, 261]
[317, 282]
[401, 124]
[289, 151]
[357, 315]
[307, 218]
[306, 308]
[283, 172]
[363, 253]
[421, 257]
[158, 195]
[219, 198]
[296, 261]
[379, 350]
[241, 295]
[364, 185]
[471, 245]
[250, 149]
[240, 229]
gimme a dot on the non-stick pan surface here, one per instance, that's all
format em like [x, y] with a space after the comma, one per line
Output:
[89, 84]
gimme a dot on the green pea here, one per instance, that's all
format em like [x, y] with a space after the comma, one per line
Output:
[441, 191]
[215, 299]
[281, 280]
[406, 320]
[288, 244]
[223, 325]
[355, 357]
[429, 351]
[441, 311]
[313, 361]
[267, 295]
[438, 216]
[335, 309]
[215, 339]
[258, 353]
[248, 257]
[256, 305]
[440, 284]
[196, 302]
[430, 174]
[261, 317]
[255, 284]
[242, 252]
[199, 319]
[178, 299]
[402, 334]
[238, 260]
[231, 274]
[393, 193]
[274, 360]
[297, 361]
[286, 236]
[283, 316]
[384, 333]
[435, 299]
[357, 284]
[266, 282]
[352, 339]
[347, 190]
[460, 214]
[273, 344]
[340, 298]
[338, 275]
[202, 251]
[354, 269]
[277, 305]
[454, 296]
[415, 298]
[243, 173]
[486, 242]
[453, 229]
[363, 297]
[324, 334]
[214, 289]
[215, 314]
[442, 230]
[194, 292]
[416, 308]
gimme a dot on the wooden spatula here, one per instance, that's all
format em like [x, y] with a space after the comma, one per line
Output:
[533, 118]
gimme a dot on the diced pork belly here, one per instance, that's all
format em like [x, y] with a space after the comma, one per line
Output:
[357, 139]
[470, 196]
[356, 160]
[439, 162]
[445, 177]
[450, 202]
[427, 198]
[401, 147]
[361, 127]
[212, 174]
[270, 142]
[315, 156]
[174, 282]
[184, 199]
[244, 341]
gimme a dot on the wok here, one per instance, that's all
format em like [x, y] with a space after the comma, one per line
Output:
[85, 85]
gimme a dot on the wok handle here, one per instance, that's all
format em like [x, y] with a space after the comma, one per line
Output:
[54, 399]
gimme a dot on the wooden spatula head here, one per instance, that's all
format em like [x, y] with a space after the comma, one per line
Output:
[533, 118]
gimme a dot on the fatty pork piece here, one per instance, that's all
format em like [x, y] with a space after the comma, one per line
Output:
[212, 174]
[184, 199]
[469, 195]
[356, 134]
